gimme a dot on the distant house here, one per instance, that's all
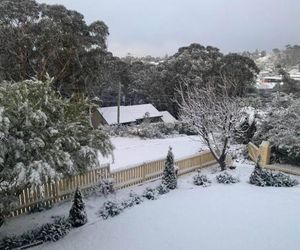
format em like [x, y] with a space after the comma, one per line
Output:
[128, 115]
[167, 117]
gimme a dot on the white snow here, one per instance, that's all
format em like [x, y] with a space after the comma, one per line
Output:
[233, 217]
[128, 113]
[167, 117]
[132, 151]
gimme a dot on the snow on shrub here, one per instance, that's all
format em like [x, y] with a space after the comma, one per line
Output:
[106, 186]
[150, 193]
[262, 177]
[281, 125]
[226, 178]
[78, 216]
[134, 199]
[169, 178]
[110, 209]
[44, 135]
[201, 180]
[54, 231]
[162, 189]
[48, 232]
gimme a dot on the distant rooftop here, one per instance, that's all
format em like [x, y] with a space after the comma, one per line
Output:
[128, 114]
[167, 117]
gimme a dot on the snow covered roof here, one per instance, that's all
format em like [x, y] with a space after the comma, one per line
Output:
[128, 113]
[167, 117]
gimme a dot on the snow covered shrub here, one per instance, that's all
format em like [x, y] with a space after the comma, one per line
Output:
[262, 177]
[44, 135]
[54, 231]
[281, 126]
[110, 209]
[201, 180]
[133, 200]
[48, 232]
[226, 178]
[106, 186]
[77, 215]
[245, 129]
[150, 194]
[185, 128]
[162, 189]
[169, 178]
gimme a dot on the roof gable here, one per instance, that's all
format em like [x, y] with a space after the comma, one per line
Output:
[128, 113]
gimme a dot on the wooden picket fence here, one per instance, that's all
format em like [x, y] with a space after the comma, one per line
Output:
[263, 151]
[253, 151]
[54, 192]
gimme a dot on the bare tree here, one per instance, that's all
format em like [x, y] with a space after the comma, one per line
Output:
[214, 117]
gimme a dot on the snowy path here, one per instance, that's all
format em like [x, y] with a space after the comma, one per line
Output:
[131, 151]
[235, 217]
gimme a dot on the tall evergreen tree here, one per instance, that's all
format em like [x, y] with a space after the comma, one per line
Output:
[78, 216]
[169, 178]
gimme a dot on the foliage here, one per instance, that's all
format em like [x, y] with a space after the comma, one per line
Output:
[133, 200]
[77, 215]
[48, 232]
[214, 117]
[262, 177]
[110, 209]
[38, 38]
[151, 130]
[106, 186]
[150, 193]
[201, 180]
[43, 136]
[195, 65]
[226, 178]
[245, 129]
[169, 178]
[162, 189]
[281, 126]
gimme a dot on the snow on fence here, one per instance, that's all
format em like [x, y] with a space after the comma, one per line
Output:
[264, 151]
[55, 192]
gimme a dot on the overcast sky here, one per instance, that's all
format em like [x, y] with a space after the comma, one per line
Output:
[159, 27]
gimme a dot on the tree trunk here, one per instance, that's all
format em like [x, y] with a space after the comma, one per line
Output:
[222, 162]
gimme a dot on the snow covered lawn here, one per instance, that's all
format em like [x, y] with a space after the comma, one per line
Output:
[131, 151]
[237, 216]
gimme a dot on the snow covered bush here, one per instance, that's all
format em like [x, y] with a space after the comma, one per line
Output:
[43, 136]
[151, 130]
[110, 209]
[201, 180]
[54, 231]
[77, 215]
[106, 186]
[246, 127]
[226, 178]
[162, 189]
[262, 177]
[150, 193]
[47, 232]
[134, 199]
[169, 178]
[281, 126]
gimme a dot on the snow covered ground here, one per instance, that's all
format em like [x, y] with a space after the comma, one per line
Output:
[237, 216]
[131, 151]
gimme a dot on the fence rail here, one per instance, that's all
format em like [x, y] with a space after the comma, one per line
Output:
[54, 192]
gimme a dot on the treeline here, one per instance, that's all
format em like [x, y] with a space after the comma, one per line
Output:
[40, 39]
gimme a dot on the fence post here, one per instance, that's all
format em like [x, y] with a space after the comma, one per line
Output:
[265, 153]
